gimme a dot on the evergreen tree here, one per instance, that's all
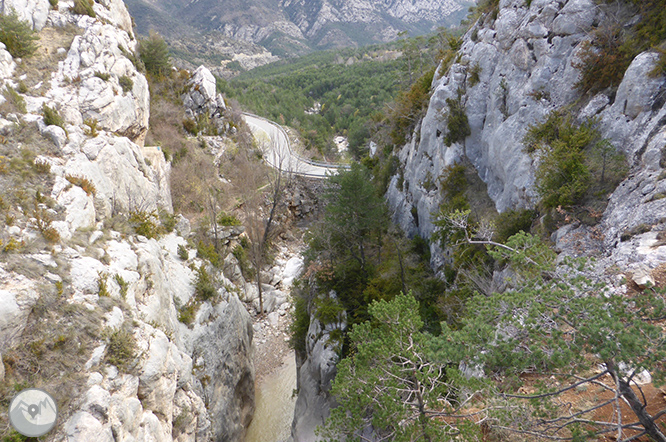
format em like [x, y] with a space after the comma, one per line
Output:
[18, 37]
[154, 54]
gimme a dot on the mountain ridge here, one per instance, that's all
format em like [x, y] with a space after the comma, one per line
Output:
[293, 27]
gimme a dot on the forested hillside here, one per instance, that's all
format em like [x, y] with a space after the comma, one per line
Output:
[528, 173]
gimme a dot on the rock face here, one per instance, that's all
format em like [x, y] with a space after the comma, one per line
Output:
[183, 382]
[33, 12]
[201, 99]
[319, 20]
[285, 26]
[316, 371]
[525, 62]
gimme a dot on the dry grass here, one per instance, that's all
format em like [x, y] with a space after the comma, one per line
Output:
[51, 352]
[39, 67]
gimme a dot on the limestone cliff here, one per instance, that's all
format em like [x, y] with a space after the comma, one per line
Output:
[525, 60]
[89, 309]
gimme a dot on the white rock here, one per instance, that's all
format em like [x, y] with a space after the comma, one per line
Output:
[115, 318]
[83, 427]
[85, 273]
[274, 319]
[7, 64]
[79, 206]
[159, 374]
[34, 12]
[94, 378]
[292, 270]
[97, 234]
[638, 89]
[96, 357]
[96, 402]
[56, 134]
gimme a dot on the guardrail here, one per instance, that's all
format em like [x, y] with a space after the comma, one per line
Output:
[297, 156]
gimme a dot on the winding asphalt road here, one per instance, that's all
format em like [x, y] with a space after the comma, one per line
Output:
[274, 143]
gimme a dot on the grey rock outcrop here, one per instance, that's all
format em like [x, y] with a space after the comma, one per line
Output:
[316, 371]
[226, 332]
[80, 93]
[201, 99]
[33, 12]
[526, 61]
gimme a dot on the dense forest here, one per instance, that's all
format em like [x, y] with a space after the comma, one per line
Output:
[345, 92]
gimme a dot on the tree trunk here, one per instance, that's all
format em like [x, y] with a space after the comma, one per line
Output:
[636, 405]
[261, 297]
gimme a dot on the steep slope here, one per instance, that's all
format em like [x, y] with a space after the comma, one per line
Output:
[519, 63]
[526, 61]
[89, 306]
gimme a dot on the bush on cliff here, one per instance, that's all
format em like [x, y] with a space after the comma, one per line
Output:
[17, 36]
[154, 54]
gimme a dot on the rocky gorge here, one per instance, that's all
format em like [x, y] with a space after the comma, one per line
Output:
[75, 303]
[91, 310]
[515, 66]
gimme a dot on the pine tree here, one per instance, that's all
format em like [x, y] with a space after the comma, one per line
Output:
[154, 54]
[18, 37]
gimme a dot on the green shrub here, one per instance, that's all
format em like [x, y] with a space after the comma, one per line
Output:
[474, 75]
[453, 185]
[410, 106]
[204, 286]
[456, 121]
[154, 54]
[92, 127]
[126, 83]
[16, 102]
[54, 4]
[183, 253]
[603, 61]
[52, 116]
[145, 223]
[511, 222]
[83, 182]
[207, 251]
[42, 167]
[122, 284]
[240, 253]
[17, 36]
[328, 310]
[575, 164]
[300, 324]
[228, 220]
[188, 313]
[121, 349]
[22, 87]
[84, 7]
[102, 285]
[103, 75]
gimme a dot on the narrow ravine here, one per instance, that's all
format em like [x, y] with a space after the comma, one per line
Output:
[275, 364]
[275, 400]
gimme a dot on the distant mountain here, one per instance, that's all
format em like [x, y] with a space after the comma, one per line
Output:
[291, 27]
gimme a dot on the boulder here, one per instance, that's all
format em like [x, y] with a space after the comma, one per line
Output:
[33, 12]
[56, 134]
[7, 64]
[84, 427]
[201, 98]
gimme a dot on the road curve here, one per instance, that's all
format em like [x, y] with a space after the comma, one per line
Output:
[274, 142]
